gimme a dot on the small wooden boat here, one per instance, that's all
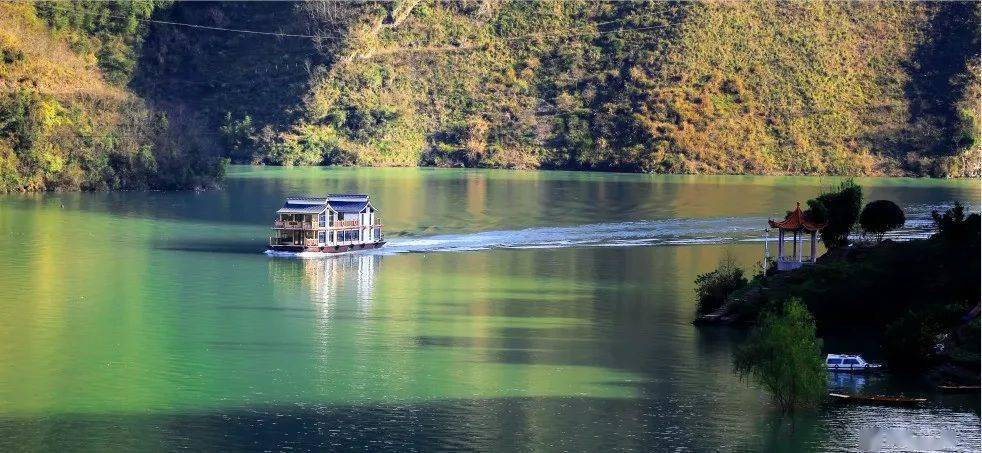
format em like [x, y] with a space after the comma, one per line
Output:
[877, 400]
[951, 388]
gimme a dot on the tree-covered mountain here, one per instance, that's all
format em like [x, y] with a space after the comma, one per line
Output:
[718, 87]
[762, 87]
[67, 120]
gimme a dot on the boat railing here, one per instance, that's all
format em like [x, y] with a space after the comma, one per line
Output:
[273, 240]
[345, 223]
[292, 224]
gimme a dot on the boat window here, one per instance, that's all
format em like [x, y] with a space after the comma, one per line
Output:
[850, 362]
[834, 361]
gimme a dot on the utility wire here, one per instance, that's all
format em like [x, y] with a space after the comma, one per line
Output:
[182, 24]
[294, 35]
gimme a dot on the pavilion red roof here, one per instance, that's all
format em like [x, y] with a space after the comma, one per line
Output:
[795, 220]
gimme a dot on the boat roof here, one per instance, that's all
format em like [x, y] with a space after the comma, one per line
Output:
[347, 197]
[349, 203]
[348, 206]
[291, 207]
[844, 356]
[306, 200]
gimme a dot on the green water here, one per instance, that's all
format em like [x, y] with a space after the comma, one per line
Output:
[510, 311]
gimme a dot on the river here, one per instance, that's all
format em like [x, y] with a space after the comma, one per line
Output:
[509, 311]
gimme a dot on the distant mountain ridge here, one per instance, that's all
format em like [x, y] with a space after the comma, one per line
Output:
[95, 96]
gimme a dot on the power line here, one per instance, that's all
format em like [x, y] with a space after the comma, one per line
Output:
[294, 35]
[182, 24]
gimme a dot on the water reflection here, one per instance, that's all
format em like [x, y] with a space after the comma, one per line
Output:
[329, 279]
[174, 331]
[852, 383]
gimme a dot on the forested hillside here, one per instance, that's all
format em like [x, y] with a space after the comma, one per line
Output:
[723, 87]
[67, 120]
[95, 95]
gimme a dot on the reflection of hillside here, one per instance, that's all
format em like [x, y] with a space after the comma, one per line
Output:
[330, 278]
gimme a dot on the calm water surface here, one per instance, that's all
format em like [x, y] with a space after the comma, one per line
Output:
[510, 311]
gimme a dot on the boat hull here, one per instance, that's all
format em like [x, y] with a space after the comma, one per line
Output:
[326, 248]
[853, 370]
[877, 400]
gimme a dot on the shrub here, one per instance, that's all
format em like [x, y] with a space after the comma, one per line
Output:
[909, 342]
[881, 216]
[842, 210]
[953, 225]
[239, 137]
[784, 355]
[714, 287]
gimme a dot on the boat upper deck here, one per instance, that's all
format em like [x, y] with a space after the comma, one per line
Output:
[333, 212]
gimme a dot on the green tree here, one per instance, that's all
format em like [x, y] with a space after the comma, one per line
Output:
[954, 225]
[881, 216]
[784, 355]
[714, 287]
[909, 341]
[239, 137]
[841, 210]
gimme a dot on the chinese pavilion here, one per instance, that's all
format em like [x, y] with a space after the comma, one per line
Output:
[796, 224]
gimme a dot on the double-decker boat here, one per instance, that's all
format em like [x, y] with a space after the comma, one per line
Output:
[336, 223]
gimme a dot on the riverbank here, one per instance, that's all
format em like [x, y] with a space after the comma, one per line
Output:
[918, 299]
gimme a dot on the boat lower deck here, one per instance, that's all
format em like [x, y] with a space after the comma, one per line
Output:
[339, 248]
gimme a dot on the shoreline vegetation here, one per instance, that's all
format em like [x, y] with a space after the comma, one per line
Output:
[919, 299]
[96, 97]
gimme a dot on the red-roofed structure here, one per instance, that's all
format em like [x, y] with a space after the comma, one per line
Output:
[796, 223]
[796, 220]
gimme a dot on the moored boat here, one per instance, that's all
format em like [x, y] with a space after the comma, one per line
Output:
[337, 223]
[878, 400]
[953, 388]
[842, 363]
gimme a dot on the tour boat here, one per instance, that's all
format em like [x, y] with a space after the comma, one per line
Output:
[337, 223]
[849, 364]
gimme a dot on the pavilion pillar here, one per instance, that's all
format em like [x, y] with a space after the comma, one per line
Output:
[814, 246]
[801, 237]
[767, 250]
[780, 245]
[794, 245]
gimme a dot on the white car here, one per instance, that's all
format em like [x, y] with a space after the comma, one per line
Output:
[849, 364]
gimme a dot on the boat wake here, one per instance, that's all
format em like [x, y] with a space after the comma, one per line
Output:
[628, 234]
[621, 234]
[672, 232]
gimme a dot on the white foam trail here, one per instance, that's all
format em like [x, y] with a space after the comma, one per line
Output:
[621, 234]
[675, 232]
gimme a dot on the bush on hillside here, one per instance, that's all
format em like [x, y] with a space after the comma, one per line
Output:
[714, 287]
[881, 216]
